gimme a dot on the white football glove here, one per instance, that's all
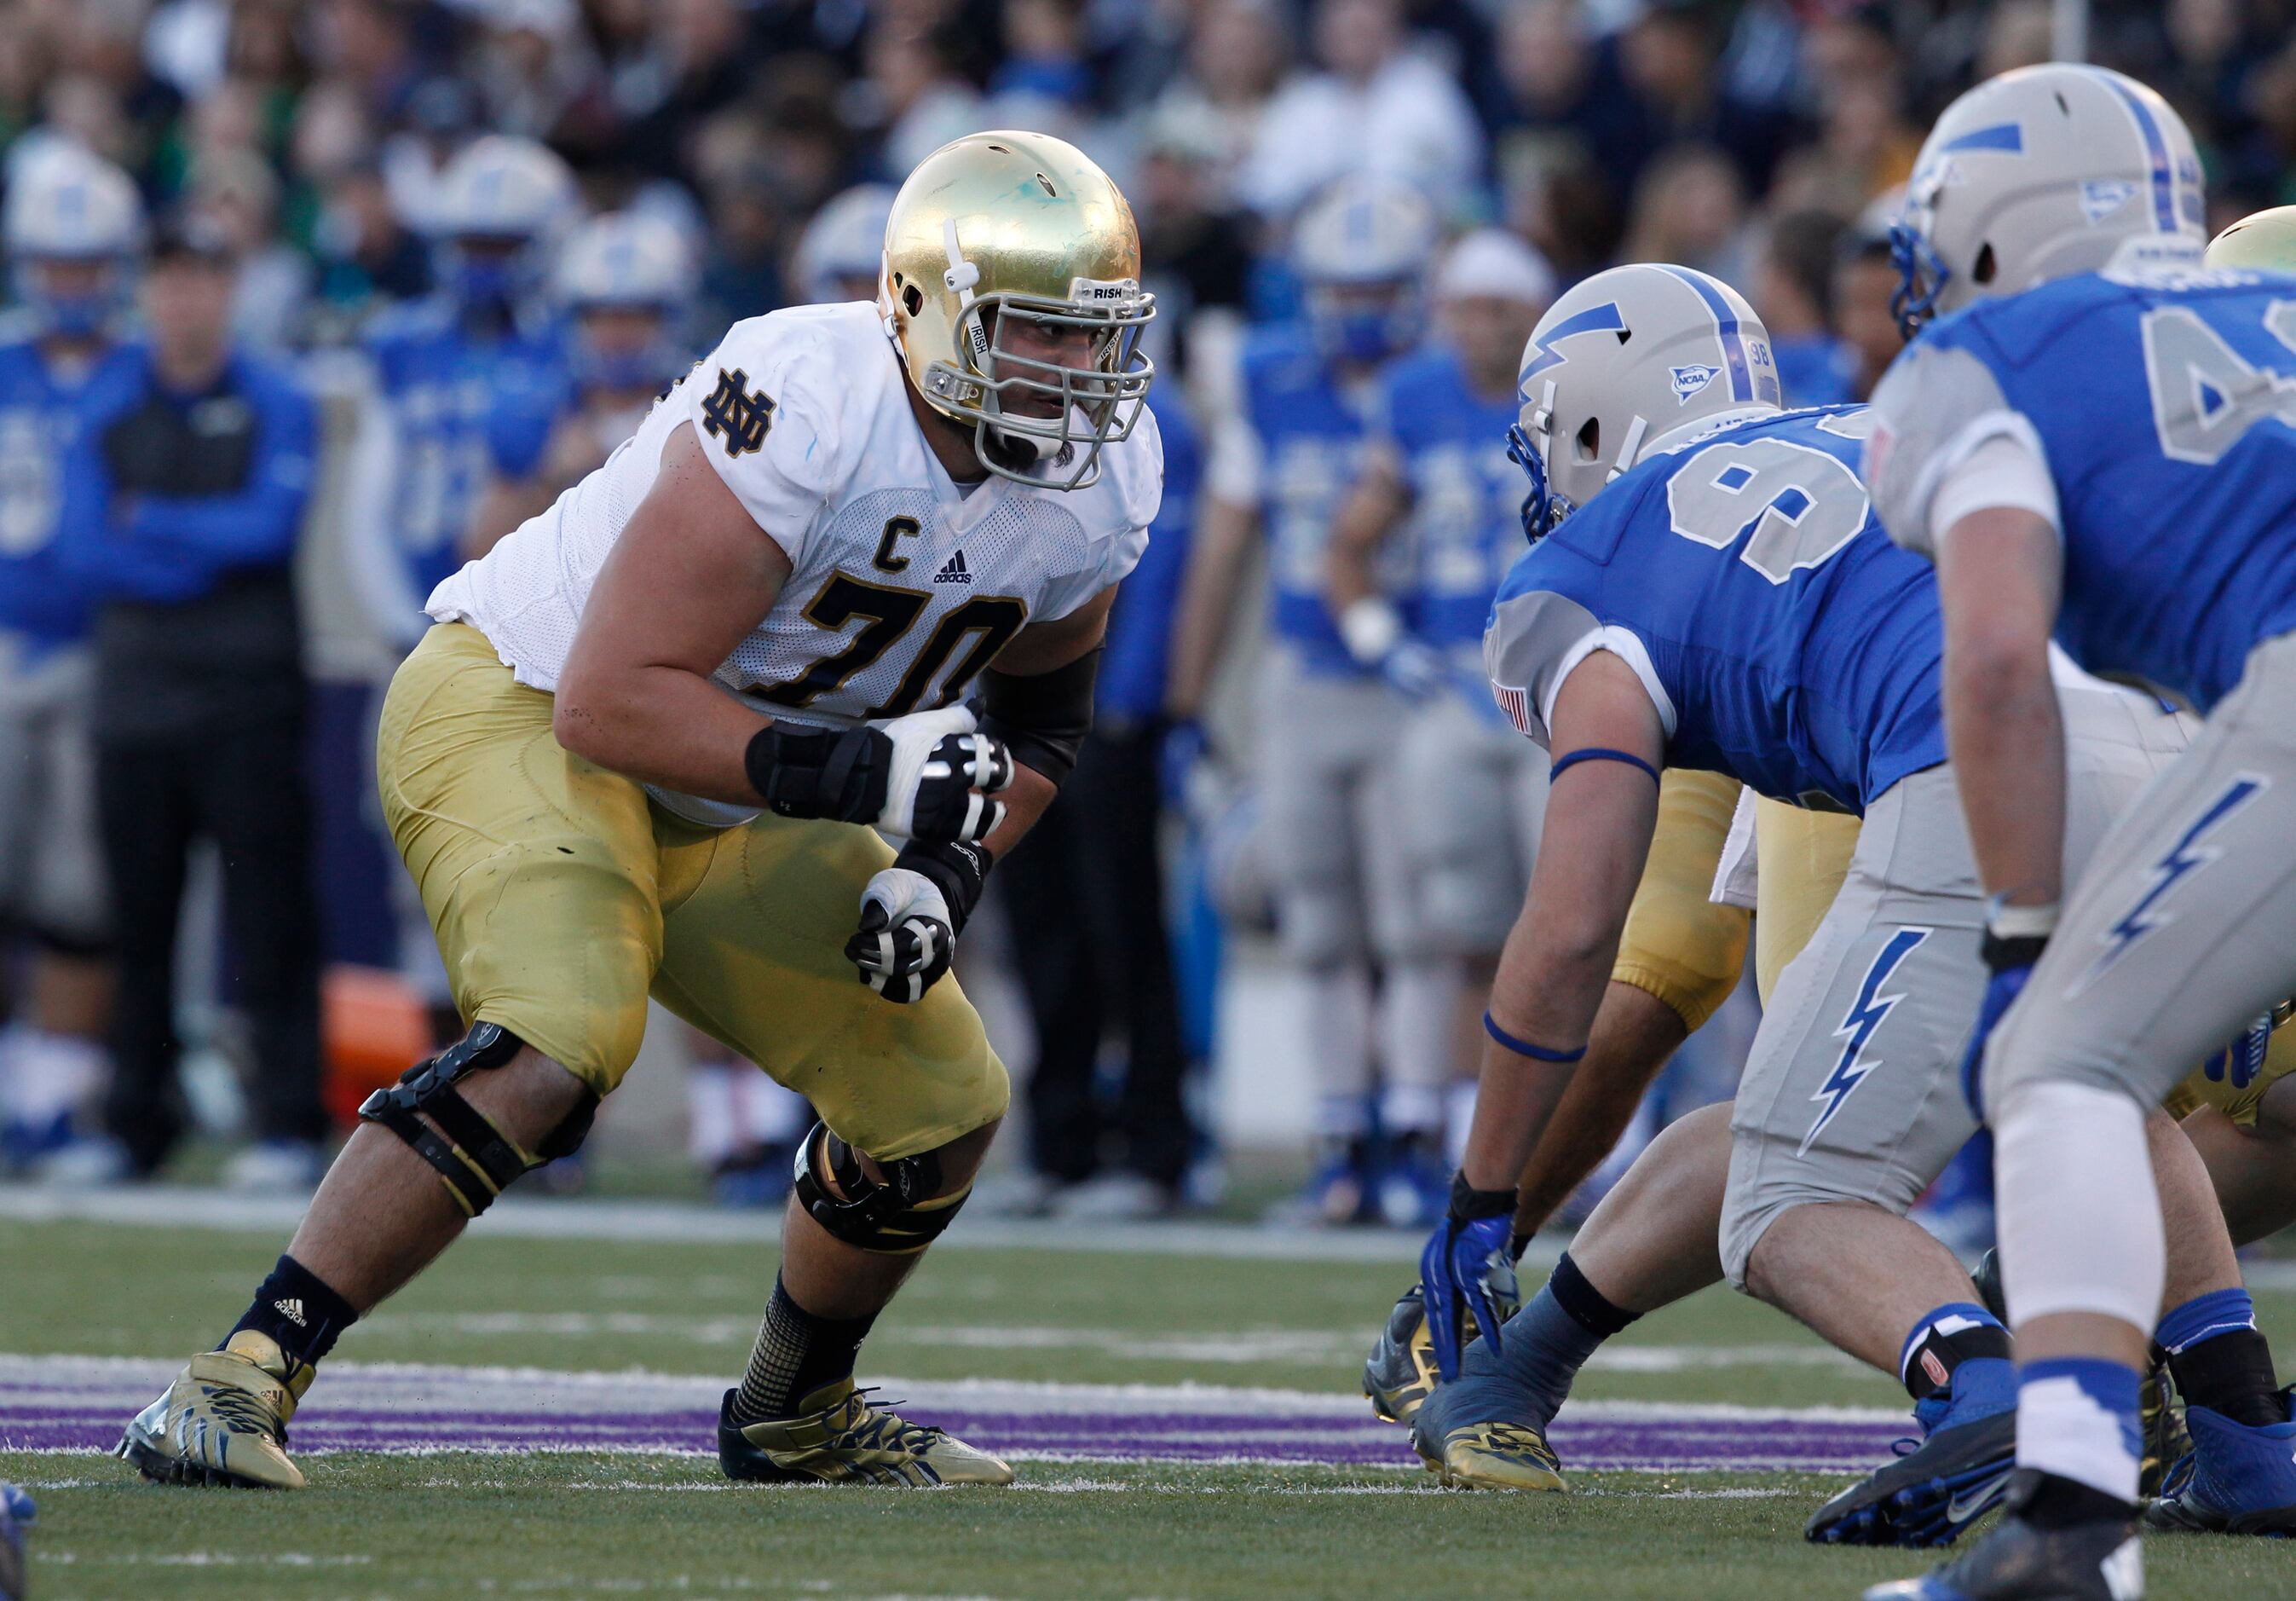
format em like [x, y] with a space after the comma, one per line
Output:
[943, 774]
[910, 914]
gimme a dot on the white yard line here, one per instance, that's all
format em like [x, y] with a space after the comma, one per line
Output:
[105, 1382]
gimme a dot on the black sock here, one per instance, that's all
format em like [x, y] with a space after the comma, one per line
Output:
[1587, 1306]
[2059, 1503]
[796, 1355]
[2231, 1372]
[295, 1307]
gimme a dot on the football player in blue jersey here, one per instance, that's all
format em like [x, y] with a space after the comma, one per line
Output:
[838, 256]
[465, 382]
[1436, 476]
[2092, 440]
[1729, 603]
[1331, 727]
[70, 229]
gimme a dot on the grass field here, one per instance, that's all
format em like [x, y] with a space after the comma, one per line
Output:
[532, 1419]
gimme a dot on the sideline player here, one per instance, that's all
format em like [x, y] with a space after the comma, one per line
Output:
[2093, 443]
[1436, 479]
[1330, 728]
[71, 230]
[1730, 604]
[645, 749]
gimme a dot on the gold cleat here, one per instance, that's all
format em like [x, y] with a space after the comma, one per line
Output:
[225, 1420]
[1495, 1456]
[848, 1441]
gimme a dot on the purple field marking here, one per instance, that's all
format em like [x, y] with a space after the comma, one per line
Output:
[1684, 1443]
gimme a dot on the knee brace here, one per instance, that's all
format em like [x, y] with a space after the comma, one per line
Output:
[476, 1160]
[898, 1217]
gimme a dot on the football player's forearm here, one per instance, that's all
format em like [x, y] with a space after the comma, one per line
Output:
[662, 726]
[1025, 801]
[1997, 581]
[2007, 745]
[1549, 987]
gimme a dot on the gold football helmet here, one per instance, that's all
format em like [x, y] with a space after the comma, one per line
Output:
[2262, 239]
[1008, 228]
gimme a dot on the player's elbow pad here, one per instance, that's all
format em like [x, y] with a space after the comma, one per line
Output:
[1042, 719]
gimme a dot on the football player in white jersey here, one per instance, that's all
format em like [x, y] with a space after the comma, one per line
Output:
[650, 745]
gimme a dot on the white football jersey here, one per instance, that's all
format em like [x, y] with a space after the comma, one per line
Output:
[904, 585]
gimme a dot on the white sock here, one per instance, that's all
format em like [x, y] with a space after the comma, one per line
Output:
[2079, 1216]
[1418, 1028]
[712, 1130]
[47, 1075]
[2076, 1418]
[766, 1114]
[1463, 1118]
[1411, 1109]
[1337, 1028]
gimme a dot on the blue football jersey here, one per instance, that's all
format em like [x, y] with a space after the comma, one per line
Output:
[1785, 640]
[2165, 404]
[40, 598]
[1312, 432]
[465, 408]
[1466, 509]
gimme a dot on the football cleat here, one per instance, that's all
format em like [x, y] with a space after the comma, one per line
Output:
[1491, 1456]
[1399, 1374]
[2236, 1479]
[225, 1420]
[848, 1441]
[17, 1514]
[1954, 1474]
[2017, 1562]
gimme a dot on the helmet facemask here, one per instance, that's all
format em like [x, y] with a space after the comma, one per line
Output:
[1030, 416]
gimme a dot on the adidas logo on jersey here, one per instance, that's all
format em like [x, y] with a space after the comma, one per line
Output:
[953, 570]
[291, 1308]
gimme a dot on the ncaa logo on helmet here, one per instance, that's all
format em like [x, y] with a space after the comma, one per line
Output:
[1689, 379]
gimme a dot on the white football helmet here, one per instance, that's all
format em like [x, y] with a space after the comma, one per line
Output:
[1622, 361]
[627, 262]
[1361, 248]
[67, 204]
[502, 204]
[2039, 174]
[843, 247]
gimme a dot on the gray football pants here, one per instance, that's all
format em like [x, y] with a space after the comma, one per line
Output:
[2184, 929]
[1852, 1091]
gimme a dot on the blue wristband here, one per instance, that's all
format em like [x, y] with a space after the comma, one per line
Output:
[1600, 753]
[1523, 1047]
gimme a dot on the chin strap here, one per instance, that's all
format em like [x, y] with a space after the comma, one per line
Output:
[1630, 449]
[959, 281]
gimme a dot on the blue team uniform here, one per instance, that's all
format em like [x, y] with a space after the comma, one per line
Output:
[1466, 494]
[42, 602]
[2165, 406]
[1797, 648]
[466, 408]
[1311, 433]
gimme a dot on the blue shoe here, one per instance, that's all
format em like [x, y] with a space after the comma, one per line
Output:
[1415, 1186]
[2018, 1562]
[16, 1514]
[1338, 1195]
[2238, 1480]
[1956, 1474]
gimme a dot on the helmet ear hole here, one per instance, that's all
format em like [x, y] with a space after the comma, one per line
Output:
[1981, 271]
[913, 299]
[1590, 440]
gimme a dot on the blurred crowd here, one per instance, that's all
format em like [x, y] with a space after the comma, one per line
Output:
[390, 274]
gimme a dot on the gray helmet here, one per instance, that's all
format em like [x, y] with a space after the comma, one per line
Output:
[2039, 174]
[1624, 359]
